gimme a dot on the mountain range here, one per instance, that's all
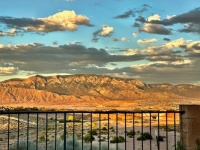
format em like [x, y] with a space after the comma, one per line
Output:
[87, 90]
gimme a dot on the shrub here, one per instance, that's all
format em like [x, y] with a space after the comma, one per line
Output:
[118, 139]
[130, 134]
[93, 132]
[160, 138]
[104, 128]
[145, 136]
[88, 138]
[23, 145]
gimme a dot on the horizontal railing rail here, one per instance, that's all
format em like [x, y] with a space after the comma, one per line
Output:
[89, 130]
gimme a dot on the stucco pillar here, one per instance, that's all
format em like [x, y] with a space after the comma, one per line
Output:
[190, 126]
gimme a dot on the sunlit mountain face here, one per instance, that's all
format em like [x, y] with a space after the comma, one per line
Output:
[152, 41]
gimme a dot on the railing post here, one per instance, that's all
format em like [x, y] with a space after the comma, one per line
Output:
[189, 126]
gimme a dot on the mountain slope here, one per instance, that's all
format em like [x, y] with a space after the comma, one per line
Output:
[79, 88]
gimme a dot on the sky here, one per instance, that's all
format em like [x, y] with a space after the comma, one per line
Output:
[155, 41]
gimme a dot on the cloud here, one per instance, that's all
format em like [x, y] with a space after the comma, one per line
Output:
[11, 32]
[37, 57]
[8, 70]
[166, 39]
[190, 20]
[175, 43]
[115, 40]
[153, 17]
[193, 47]
[126, 14]
[190, 27]
[137, 25]
[147, 41]
[61, 21]
[189, 17]
[106, 30]
[155, 29]
[134, 34]
[123, 39]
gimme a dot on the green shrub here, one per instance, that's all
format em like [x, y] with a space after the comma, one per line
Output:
[104, 128]
[145, 136]
[93, 132]
[88, 138]
[130, 134]
[118, 139]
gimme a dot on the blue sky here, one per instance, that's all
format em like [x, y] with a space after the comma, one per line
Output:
[153, 41]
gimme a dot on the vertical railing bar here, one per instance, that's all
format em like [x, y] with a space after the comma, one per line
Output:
[108, 131]
[142, 130]
[37, 134]
[134, 131]
[117, 131]
[46, 129]
[99, 131]
[91, 131]
[27, 138]
[166, 131]
[150, 130]
[56, 130]
[73, 123]
[64, 131]
[158, 131]
[82, 131]
[175, 129]
[18, 131]
[8, 131]
[125, 130]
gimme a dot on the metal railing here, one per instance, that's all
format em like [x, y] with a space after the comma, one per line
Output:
[89, 130]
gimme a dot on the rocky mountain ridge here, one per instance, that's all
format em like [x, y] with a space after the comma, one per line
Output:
[88, 88]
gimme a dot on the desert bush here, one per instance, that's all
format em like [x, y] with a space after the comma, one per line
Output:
[160, 138]
[130, 134]
[88, 138]
[23, 145]
[118, 139]
[93, 132]
[104, 128]
[145, 136]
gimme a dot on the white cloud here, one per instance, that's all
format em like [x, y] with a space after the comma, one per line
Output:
[65, 20]
[154, 17]
[1, 46]
[106, 30]
[147, 41]
[175, 43]
[134, 34]
[131, 52]
[169, 17]
[8, 70]
[123, 39]
[10, 32]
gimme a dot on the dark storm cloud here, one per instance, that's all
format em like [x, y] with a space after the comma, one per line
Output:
[36, 57]
[191, 18]
[191, 27]
[20, 22]
[127, 14]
